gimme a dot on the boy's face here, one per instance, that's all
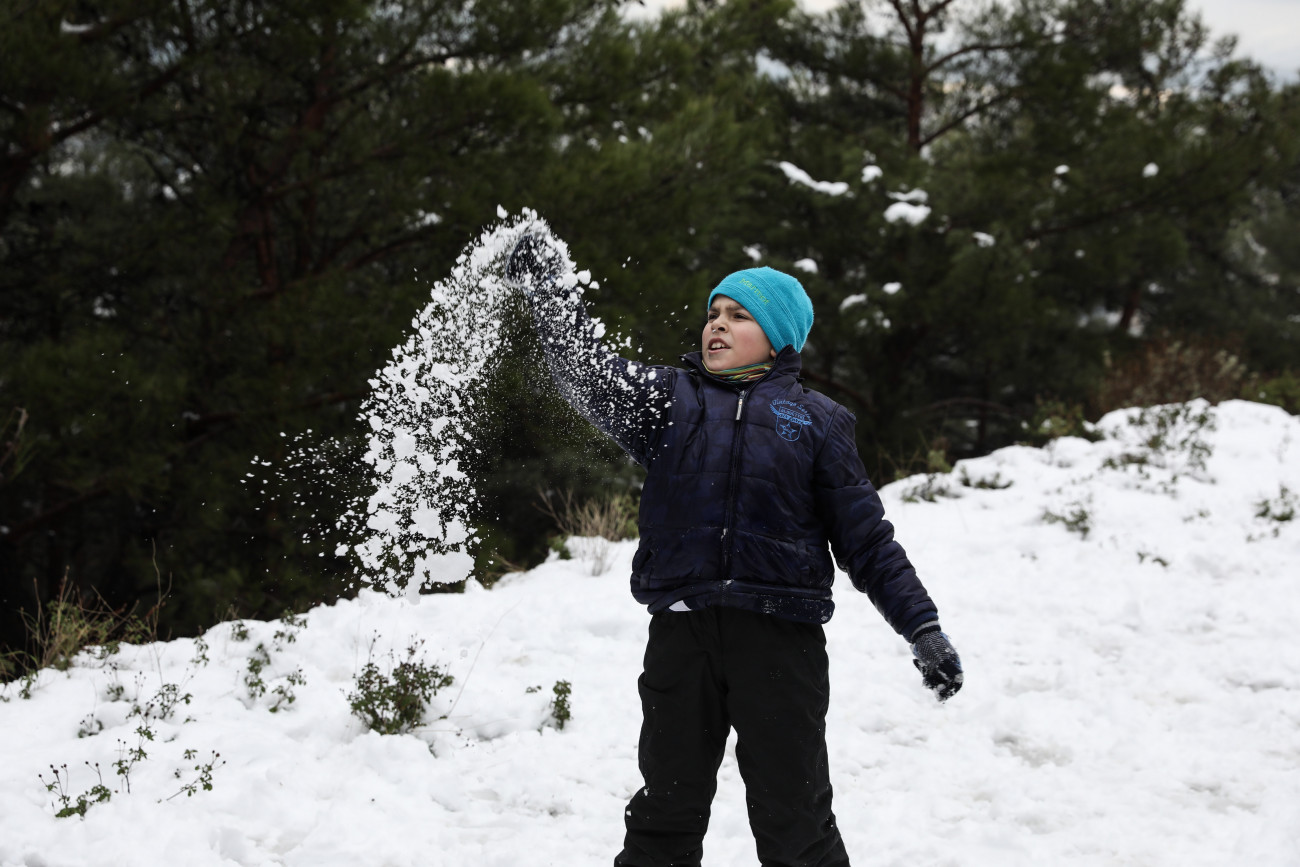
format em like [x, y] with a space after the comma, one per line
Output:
[732, 338]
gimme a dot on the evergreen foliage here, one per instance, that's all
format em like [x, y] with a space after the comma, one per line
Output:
[1084, 166]
[216, 218]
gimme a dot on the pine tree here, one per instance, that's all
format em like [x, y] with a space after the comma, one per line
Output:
[215, 220]
[1071, 167]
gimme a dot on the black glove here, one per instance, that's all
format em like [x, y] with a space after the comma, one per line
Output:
[937, 660]
[534, 264]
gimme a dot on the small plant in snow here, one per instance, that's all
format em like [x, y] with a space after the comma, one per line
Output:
[66, 805]
[561, 711]
[257, 663]
[994, 482]
[90, 726]
[937, 481]
[128, 757]
[930, 489]
[203, 774]
[1144, 556]
[163, 704]
[26, 683]
[1076, 519]
[288, 631]
[238, 631]
[200, 652]
[284, 695]
[255, 679]
[394, 702]
[1280, 510]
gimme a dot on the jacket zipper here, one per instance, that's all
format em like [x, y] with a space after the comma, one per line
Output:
[731, 479]
[731, 489]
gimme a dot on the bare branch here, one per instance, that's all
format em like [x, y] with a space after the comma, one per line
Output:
[966, 115]
[903, 19]
[988, 47]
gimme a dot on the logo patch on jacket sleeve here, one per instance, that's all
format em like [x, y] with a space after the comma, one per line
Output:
[791, 418]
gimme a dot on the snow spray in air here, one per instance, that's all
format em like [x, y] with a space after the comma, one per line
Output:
[415, 527]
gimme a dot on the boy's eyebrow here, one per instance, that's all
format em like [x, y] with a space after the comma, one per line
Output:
[727, 305]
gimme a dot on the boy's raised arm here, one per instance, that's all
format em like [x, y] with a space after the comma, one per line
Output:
[624, 399]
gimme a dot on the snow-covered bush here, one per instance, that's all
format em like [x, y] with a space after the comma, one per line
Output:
[394, 702]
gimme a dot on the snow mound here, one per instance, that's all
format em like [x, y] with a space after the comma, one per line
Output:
[1125, 610]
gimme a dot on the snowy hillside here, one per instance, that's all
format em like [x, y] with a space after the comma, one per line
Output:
[1126, 611]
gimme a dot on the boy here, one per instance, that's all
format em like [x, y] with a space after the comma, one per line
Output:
[749, 477]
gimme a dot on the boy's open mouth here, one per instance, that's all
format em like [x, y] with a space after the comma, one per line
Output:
[716, 344]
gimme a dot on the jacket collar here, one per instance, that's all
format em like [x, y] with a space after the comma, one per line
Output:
[787, 363]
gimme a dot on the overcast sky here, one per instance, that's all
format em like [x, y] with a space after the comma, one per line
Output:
[1267, 30]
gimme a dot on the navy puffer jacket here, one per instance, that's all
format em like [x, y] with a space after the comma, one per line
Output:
[746, 483]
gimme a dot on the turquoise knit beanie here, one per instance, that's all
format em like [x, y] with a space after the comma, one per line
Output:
[777, 302]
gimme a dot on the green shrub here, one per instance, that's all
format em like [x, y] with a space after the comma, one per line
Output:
[1283, 391]
[1055, 418]
[69, 624]
[1280, 510]
[394, 703]
[561, 711]
[1076, 519]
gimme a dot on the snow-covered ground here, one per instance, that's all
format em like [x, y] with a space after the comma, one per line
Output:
[1132, 693]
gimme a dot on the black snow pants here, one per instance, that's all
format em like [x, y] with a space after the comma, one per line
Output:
[709, 670]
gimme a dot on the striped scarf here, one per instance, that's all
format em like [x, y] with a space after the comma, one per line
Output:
[743, 374]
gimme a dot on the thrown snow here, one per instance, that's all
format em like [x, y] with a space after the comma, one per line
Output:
[1132, 693]
[891, 288]
[797, 175]
[1150, 170]
[984, 239]
[415, 527]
